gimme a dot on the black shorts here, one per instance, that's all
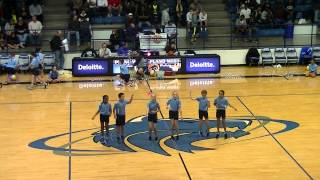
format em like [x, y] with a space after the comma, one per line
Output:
[125, 77]
[104, 118]
[121, 120]
[153, 118]
[221, 114]
[36, 71]
[174, 115]
[203, 114]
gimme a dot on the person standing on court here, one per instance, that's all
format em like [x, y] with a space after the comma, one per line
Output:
[57, 49]
[119, 113]
[204, 105]
[153, 108]
[105, 110]
[221, 103]
[174, 106]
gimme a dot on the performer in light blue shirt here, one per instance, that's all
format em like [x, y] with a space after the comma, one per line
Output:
[204, 105]
[174, 106]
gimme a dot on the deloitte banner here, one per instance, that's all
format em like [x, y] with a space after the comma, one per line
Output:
[90, 67]
[202, 64]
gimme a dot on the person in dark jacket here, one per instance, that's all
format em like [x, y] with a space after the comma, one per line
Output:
[74, 28]
[56, 47]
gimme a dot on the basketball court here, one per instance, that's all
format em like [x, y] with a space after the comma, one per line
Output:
[48, 133]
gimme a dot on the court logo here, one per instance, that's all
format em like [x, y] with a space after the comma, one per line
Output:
[137, 137]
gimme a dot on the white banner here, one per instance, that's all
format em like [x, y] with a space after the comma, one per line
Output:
[153, 42]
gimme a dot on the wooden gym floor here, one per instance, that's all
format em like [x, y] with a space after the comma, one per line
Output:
[273, 135]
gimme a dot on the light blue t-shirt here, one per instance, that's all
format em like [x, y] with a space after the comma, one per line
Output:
[221, 103]
[120, 107]
[105, 109]
[313, 68]
[35, 63]
[11, 63]
[153, 106]
[174, 104]
[40, 56]
[124, 69]
[203, 103]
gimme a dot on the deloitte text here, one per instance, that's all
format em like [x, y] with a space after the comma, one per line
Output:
[201, 65]
[90, 67]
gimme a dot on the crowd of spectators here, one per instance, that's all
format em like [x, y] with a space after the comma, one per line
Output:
[253, 14]
[21, 23]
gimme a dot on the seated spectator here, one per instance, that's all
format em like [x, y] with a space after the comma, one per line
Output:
[203, 17]
[74, 28]
[24, 15]
[143, 16]
[130, 19]
[77, 4]
[35, 9]
[53, 76]
[189, 18]
[279, 15]
[130, 6]
[114, 40]
[13, 42]
[266, 16]
[246, 12]
[165, 17]
[21, 30]
[194, 24]
[83, 16]
[171, 49]
[312, 69]
[241, 26]
[123, 50]
[9, 28]
[104, 51]
[3, 43]
[114, 5]
[171, 31]
[195, 4]
[35, 28]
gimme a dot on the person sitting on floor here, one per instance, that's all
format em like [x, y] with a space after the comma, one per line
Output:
[53, 76]
[312, 69]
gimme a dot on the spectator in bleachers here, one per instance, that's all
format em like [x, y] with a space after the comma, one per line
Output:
[266, 16]
[9, 28]
[23, 13]
[195, 4]
[21, 30]
[252, 28]
[114, 40]
[3, 43]
[35, 9]
[155, 12]
[13, 42]
[193, 21]
[104, 51]
[165, 18]
[77, 4]
[179, 11]
[290, 10]
[171, 49]
[130, 6]
[114, 5]
[241, 26]
[35, 28]
[130, 19]
[83, 16]
[74, 29]
[245, 11]
[279, 14]
[131, 34]
[56, 47]
[203, 17]
[143, 16]
[171, 31]
[123, 50]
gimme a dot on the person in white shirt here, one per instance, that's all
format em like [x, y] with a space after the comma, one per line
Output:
[171, 30]
[189, 18]
[35, 28]
[165, 18]
[35, 9]
[104, 51]
[246, 12]
[203, 17]
[9, 28]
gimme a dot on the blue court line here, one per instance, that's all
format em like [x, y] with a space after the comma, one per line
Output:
[278, 142]
[70, 139]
